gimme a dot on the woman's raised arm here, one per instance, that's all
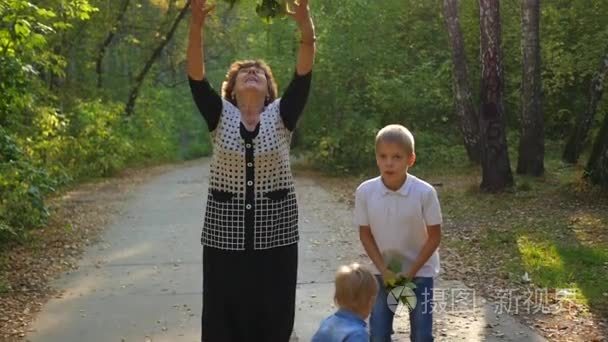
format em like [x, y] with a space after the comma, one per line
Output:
[196, 57]
[306, 52]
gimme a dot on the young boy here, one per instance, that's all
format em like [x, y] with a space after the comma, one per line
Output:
[355, 295]
[399, 212]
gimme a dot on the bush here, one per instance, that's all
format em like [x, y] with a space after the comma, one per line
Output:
[22, 190]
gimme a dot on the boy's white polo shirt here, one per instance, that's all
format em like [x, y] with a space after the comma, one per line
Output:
[398, 219]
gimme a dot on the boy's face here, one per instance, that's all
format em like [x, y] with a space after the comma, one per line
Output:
[393, 161]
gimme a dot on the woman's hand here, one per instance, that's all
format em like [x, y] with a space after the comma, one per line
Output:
[200, 10]
[195, 54]
[300, 12]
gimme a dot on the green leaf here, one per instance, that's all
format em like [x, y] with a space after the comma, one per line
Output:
[394, 265]
[44, 13]
[22, 28]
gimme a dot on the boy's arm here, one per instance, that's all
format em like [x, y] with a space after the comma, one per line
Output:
[366, 236]
[369, 244]
[431, 211]
[431, 244]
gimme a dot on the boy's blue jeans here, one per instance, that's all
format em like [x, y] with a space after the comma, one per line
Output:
[421, 318]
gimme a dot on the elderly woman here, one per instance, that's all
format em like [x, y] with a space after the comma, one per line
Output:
[250, 229]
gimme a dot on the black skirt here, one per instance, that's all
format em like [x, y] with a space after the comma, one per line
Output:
[249, 295]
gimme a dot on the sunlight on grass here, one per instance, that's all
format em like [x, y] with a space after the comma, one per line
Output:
[543, 261]
[545, 227]
[556, 265]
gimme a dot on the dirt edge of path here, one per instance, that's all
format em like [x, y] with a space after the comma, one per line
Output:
[79, 216]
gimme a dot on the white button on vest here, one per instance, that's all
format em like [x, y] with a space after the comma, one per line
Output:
[248, 206]
[250, 164]
[248, 145]
[250, 183]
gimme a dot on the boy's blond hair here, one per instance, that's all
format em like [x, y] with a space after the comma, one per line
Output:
[396, 134]
[355, 287]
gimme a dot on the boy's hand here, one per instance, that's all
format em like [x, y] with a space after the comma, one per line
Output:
[407, 275]
[389, 277]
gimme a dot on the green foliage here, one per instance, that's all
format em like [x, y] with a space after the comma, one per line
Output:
[13, 86]
[94, 143]
[60, 127]
[348, 150]
[56, 128]
[22, 189]
[26, 28]
[399, 74]
[267, 9]
[170, 127]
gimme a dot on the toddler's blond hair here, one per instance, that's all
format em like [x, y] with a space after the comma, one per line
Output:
[355, 287]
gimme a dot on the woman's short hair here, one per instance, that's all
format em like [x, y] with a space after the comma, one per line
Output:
[355, 287]
[396, 134]
[230, 80]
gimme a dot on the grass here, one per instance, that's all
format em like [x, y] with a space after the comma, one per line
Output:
[554, 228]
[4, 285]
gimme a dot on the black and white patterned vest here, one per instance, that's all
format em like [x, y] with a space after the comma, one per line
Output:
[251, 202]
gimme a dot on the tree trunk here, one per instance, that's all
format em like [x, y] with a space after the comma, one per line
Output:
[597, 167]
[107, 42]
[469, 124]
[139, 80]
[532, 139]
[496, 168]
[577, 140]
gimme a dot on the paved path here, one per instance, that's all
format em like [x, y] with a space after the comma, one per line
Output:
[142, 282]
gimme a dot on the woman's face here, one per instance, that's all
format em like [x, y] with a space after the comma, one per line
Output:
[251, 79]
